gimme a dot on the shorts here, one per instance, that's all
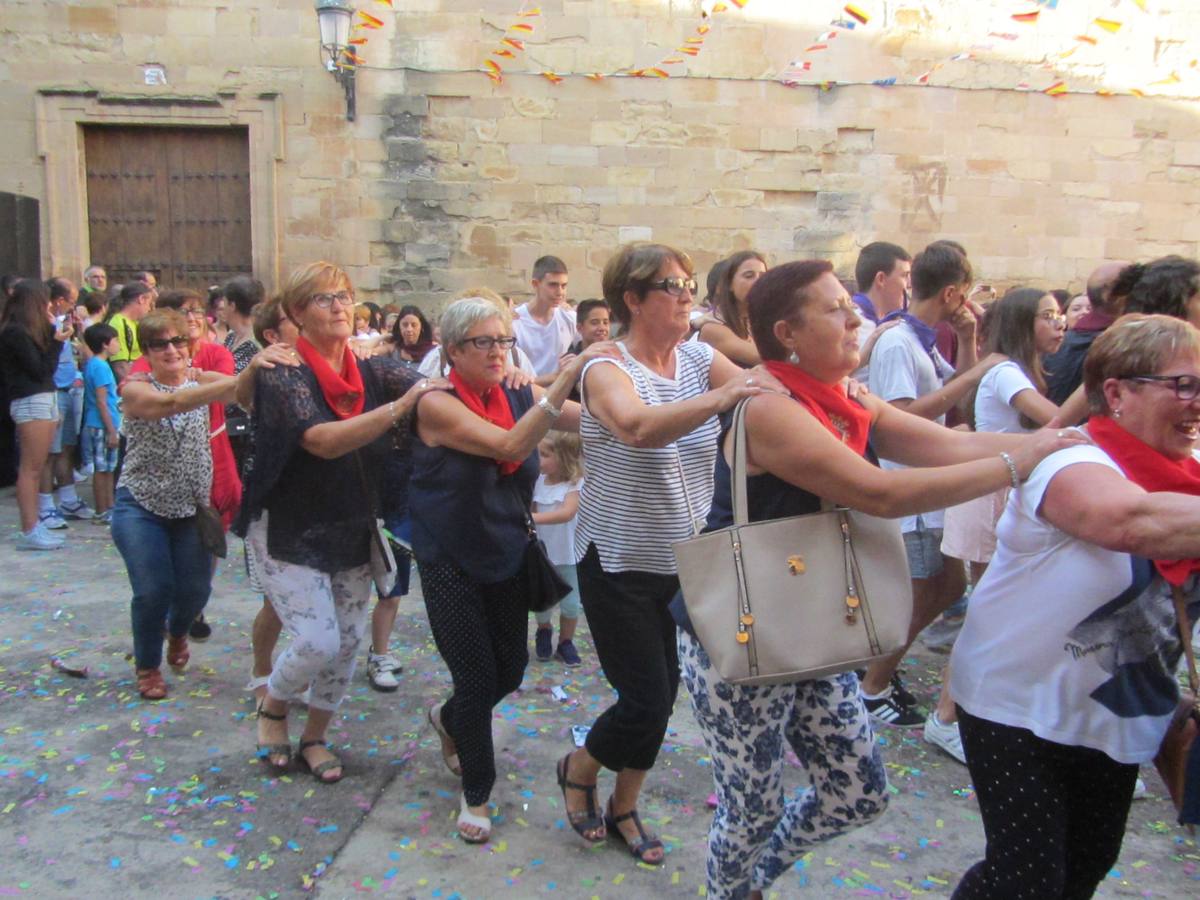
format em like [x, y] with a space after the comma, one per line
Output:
[35, 408]
[70, 409]
[95, 452]
[924, 548]
[969, 533]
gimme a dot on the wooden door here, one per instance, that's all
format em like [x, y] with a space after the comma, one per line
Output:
[172, 201]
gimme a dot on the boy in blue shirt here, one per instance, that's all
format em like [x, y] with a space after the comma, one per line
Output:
[102, 416]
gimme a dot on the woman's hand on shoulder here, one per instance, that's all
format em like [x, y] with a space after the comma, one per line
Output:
[516, 378]
[274, 355]
[1041, 443]
[605, 349]
[748, 384]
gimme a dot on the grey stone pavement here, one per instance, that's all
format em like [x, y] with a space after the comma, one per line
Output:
[104, 795]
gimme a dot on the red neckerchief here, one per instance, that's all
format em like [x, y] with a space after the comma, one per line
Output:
[343, 390]
[1151, 471]
[491, 405]
[845, 419]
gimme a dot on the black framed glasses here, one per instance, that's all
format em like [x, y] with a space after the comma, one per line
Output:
[487, 343]
[193, 312]
[178, 343]
[1186, 387]
[674, 286]
[325, 300]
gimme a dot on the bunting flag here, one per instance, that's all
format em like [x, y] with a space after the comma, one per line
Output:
[1027, 18]
[509, 46]
[857, 14]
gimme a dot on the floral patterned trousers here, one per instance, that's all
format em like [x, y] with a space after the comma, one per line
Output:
[759, 829]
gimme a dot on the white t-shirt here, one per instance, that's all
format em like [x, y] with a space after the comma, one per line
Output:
[993, 401]
[633, 505]
[544, 343]
[901, 369]
[865, 330]
[1071, 641]
[559, 539]
[431, 366]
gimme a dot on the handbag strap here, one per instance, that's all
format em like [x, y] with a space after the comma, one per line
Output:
[1185, 637]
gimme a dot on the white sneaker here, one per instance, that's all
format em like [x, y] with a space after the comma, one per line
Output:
[945, 737]
[38, 538]
[51, 520]
[82, 475]
[76, 510]
[1140, 791]
[382, 670]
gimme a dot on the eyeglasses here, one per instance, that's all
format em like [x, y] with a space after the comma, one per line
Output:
[162, 343]
[674, 286]
[487, 343]
[1052, 317]
[324, 301]
[193, 312]
[1186, 387]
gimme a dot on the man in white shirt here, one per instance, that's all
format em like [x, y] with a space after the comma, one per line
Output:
[882, 275]
[545, 326]
[908, 371]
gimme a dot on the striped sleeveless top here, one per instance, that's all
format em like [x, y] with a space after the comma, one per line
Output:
[633, 506]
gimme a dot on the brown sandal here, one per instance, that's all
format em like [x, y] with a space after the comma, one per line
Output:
[642, 844]
[582, 820]
[266, 752]
[318, 771]
[150, 684]
[177, 651]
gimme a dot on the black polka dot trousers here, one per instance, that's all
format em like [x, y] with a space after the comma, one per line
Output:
[481, 631]
[1054, 815]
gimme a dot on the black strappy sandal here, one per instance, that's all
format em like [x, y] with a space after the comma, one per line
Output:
[582, 822]
[266, 751]
[318, 771]
[640, 847]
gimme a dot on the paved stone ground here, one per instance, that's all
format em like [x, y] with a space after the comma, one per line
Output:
[104, 795]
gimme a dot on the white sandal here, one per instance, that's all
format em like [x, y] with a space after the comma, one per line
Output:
[466, 818]
[435, 719]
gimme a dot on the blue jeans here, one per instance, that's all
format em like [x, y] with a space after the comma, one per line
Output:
[169, 570]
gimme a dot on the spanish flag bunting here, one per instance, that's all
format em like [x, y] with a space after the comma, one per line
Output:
[1056, 89]
[1109, 25]
[354, 58]
[1086, 39]
[827, 85]
[366, 26]
[719, 8]
[813, 48]
[529, 13]
[492, 66]
[1141, 4]
[504, 54]
[370, 19]
[1173, 78]
[1027, 18]
[552, 78]
[1104, 92]
[1137, 93]
[703, 29]
[650, 73]
[387, 3]
[521, 26]
[690, 51]
[358, 42]
[594, 76]
[855, 13]
[740, 4]
[513, 42]
[693, 40]
[672, 61]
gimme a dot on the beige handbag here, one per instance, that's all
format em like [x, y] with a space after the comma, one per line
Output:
[797, 598]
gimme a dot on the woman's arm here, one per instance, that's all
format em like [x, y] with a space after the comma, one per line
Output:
[1097, 504]
[329, 440]
[785, 440]
[140, 400]
[110, 428]
[1035, 407]
[938, 403]
[721, 337]
[565, 513]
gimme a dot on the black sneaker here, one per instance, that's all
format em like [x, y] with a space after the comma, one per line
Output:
[200, 630]
[543, 644]
[886, 711]
[567, 653]
[903, 695]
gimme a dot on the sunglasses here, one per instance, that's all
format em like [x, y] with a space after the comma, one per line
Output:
[674, 286]
[162, 343]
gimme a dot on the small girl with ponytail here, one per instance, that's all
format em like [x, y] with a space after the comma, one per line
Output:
[555, 506]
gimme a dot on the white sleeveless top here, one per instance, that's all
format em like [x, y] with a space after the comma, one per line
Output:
[633, 506]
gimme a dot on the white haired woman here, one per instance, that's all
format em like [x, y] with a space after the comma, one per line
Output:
[474, 466]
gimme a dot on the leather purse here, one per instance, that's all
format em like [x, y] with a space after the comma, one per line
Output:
[1179, 742]
[797, 598]
[544, 587]
[382, 560]
[212, 530]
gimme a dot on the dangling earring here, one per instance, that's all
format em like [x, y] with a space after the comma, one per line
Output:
[793, 358]
[1116, 414]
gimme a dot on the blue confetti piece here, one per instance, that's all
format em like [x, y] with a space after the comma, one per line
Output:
[327, 829]
[61, 810]
[232, 863]
[115, 862]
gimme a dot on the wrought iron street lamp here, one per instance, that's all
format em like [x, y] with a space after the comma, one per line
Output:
[334, 18]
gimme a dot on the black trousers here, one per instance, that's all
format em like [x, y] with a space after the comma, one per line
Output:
[634, 635]
[481, 631]
[1054, 815]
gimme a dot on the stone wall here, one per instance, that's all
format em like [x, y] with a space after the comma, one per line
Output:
[448, 180]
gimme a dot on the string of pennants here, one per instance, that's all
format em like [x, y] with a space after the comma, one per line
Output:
[803, 70]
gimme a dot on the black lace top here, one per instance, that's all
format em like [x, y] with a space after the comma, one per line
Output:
[320, 514]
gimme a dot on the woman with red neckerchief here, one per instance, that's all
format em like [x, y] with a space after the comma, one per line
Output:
[322, 430]
[1064, 673]
[803, 448]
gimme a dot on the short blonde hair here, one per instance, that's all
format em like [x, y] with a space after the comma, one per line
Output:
[632, 269]
[568, 451]
[1135, 345]
[313, 278]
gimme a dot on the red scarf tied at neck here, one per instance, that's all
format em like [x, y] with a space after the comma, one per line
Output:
[1153, 472]
[491, 405]
[343, 391]
[846, 420]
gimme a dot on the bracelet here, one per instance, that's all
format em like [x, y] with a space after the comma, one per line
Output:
[1012, 469]
[392, 411]
[549, 408]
